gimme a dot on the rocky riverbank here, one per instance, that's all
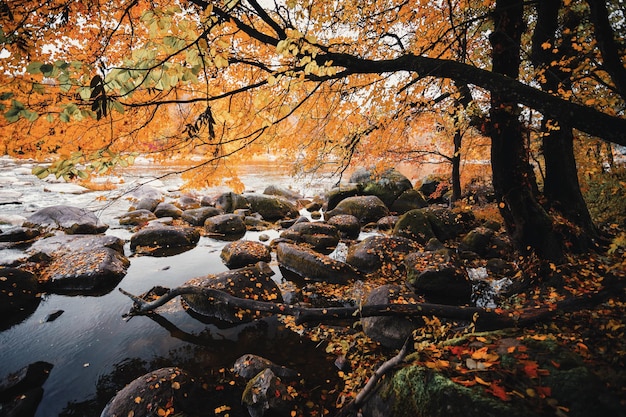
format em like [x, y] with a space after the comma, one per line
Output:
[374, 241]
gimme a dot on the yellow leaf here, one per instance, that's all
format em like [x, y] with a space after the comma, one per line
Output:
[482, 381]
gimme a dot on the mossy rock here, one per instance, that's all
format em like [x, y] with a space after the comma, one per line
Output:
[414, 224]
[415, 391]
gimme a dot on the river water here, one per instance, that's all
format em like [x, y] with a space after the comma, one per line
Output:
[93, 350]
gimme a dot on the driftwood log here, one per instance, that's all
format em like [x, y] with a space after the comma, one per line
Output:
[484, 318]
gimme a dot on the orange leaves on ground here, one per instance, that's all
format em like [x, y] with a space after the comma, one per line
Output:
[498, 391]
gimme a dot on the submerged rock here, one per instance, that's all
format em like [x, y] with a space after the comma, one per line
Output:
[21, 391]
[267, 394]
[227, 225]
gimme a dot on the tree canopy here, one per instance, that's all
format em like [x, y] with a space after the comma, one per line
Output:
[321, 83]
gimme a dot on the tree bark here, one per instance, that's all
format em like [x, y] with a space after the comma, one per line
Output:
[513, 180]
[561, 186]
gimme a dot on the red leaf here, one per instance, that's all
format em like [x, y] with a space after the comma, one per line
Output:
[498, 391]
[544, 391]
[530, 368]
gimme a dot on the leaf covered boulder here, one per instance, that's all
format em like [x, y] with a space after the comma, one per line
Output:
[252, 282]
[165, 391]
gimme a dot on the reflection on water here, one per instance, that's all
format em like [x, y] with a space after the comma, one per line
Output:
[95, 352]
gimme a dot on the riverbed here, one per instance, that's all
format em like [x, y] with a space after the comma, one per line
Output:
[94, 351]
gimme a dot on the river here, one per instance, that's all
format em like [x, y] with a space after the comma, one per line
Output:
[93, 349]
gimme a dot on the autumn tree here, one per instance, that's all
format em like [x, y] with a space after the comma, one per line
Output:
[331, 82]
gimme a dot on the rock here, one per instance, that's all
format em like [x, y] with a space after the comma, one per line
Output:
[12, 219]
[477, 241]
[493, 225]
[148, 203]
[168, 210]
[349, 226]
[414, 225]
[282, 192]
[89, 271]
[21, 391]
[19, 292]
[387, 222]
[197, 216]
[272, 208]
[173, 391]
[227, 225]
[407, 201]
[253, 282]
[314, 206]
[137, 217]
[147, 192]
[365, 208]
[53, 316]
[157, 239]
[187, 202]
[439, 277]
[72, 220]
[380, 253]
[229, 202]
[390, 332]
[447, 224]
[318, 235]
[18, 234]
[266, 394]
[338, 194]
[313, 265]
[387, 186]
[416, 390]
[52, 247]
[249, 365]
[245, 252]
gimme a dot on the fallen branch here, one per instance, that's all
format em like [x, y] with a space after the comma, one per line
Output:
[352, 408]
[484, 318]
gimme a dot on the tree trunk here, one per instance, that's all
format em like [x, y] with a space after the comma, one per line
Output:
[513, 180]
[561, 186]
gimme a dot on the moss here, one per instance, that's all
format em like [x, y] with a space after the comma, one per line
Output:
[419, 392]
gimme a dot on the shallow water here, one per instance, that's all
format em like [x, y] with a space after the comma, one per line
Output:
[93, 350]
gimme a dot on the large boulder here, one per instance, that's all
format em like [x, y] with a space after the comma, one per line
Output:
[337, 194]
[272, 208]
[312, 265]
[228, 225]
[287, 193]
[252, 282]
[163, 392]
[409, 200]
[380, 253]
[229, 202]
[242, 253]
[89, 271]
[477, 240]
[318, 235]
[367, 208]
[160, 239]
[45, 250]
[448, 224]
[414, 224]
[439, 277]
[71, 220]
[389, 331]
[387, 186]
